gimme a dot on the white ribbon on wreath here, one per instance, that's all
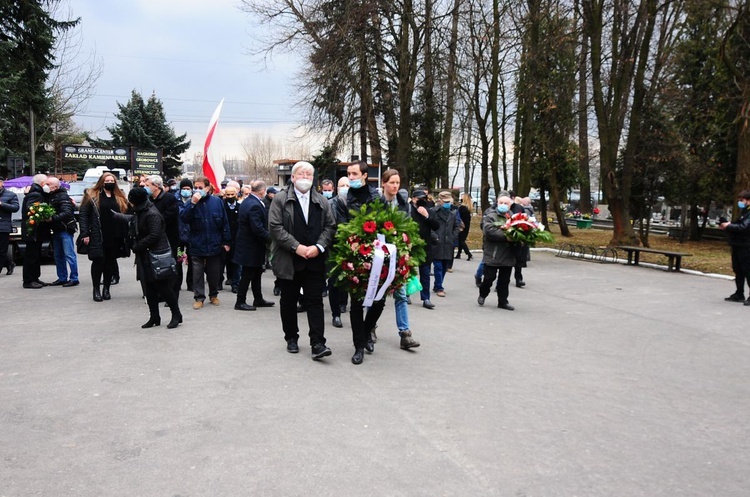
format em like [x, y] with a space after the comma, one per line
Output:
[373, 292]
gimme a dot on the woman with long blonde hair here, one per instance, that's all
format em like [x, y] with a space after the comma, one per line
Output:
[104, 237]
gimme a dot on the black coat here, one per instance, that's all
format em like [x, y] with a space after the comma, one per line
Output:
[8, 205]
[169, 208]
[447, 233]
[64, 220]
[356, 198]
[150, 235]
[252, 233]
[738, 232]
[34, 195]
[90, 220]
[426, 227]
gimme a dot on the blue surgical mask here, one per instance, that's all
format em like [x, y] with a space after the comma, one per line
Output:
[328, 194]
[502, 208]
[148, 190]
[202, 193]
[355, 183]
[186, 193]
[446, 205]
[741, 204]
[343, 191]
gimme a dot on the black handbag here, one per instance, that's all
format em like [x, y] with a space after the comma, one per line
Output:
[161, 265]
[81, 247]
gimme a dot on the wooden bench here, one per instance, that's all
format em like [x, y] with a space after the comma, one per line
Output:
[675, 258]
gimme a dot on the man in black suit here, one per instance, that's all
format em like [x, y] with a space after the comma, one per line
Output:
[302, 227]
[250, 251]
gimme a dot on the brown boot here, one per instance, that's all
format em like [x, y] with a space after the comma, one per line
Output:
[407, 342]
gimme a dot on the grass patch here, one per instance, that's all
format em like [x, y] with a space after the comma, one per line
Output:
[709, 256]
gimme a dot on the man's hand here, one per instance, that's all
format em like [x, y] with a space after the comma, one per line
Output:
[226, 248]
[723, 225]
[423, 212]
[86, 241]
[302, 250]
[195, 198]
[312, 252]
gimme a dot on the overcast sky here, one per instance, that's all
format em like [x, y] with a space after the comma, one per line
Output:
[191, 53]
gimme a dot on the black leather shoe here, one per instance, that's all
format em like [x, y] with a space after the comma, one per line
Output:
[358, 357]
[58, 283]
[276, 291]
[42, 283]
[373, 335]
[370, 347]
[11, 267]
[320, 351]
[105, 293]
[115, 280]
[235, 289]
[263, 303]
[520, 283]
[151, 323]
[97, 295]
[509, 307]
[292, 347]
[735, 298]
[480, 300]
[243, 307]
[428, 304]
[33, 285]
[70, 284]
[337, 322]
[747, 302]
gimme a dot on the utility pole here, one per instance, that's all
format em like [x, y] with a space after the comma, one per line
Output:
[32, 139]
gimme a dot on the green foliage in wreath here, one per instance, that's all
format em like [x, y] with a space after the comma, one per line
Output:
[352, 253]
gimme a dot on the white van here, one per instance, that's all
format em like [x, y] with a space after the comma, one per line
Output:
[92, 175]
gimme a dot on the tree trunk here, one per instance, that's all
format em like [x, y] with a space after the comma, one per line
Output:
[450, 91]
[583, 127]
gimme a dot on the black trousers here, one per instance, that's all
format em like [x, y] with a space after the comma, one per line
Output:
[4, 240]
[503, 279]
[741, 268]
[250, 279]
[336, 298]
[32, 262]
[106, 266]
[311, 283]
[462, 246]
[154, 289]
[361, 324]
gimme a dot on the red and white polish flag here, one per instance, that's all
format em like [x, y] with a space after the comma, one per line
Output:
[213, 167]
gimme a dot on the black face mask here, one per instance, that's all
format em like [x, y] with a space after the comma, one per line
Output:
[109, 186]
[421, 203]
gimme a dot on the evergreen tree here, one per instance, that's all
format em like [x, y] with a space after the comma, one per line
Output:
[27, 38]
[144, 125]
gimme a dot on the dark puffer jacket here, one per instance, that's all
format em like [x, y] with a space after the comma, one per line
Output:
[8, 205]
[39, 233]
[64, 220]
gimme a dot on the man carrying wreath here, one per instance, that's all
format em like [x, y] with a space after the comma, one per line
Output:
[360, 193]
[302, 226]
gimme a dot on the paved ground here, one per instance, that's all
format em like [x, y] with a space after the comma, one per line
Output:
[607, 380]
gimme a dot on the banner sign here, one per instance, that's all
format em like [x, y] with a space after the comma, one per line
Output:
[80, 152]
[146, 162]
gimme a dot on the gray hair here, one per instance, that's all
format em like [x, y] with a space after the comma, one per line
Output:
[156, 180]
[258, 186]
[52, 181]
[326, 182]
[234, 184]
[302, 165]
[39, 178]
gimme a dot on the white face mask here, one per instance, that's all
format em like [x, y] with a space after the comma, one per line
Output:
[343, 191]
[303, 185]
[46, 189]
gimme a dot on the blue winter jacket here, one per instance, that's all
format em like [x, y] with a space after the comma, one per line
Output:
[209, 226]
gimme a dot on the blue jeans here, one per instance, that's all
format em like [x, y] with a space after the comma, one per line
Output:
[65, 256]
[441, 266]
[402, 309]
[424, 279]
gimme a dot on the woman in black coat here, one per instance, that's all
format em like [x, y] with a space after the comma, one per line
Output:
[150, 235]
[104, 236]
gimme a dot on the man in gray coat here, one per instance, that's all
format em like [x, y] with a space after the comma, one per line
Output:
[499, 255]
[302, 227]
